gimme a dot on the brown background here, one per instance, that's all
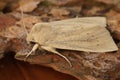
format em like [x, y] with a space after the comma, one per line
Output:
[11, 69]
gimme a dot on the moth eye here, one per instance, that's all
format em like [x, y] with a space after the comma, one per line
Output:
[32, 43]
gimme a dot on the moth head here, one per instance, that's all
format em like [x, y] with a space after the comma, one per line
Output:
[31, 37]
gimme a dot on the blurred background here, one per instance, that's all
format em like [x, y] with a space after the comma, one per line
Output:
[12, 35]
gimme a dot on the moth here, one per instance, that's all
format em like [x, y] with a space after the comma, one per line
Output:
[87, 34]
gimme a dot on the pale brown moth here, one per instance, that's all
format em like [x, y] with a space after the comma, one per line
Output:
[81, 34]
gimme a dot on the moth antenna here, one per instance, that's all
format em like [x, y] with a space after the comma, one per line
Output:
[23, 21]
[33, 49]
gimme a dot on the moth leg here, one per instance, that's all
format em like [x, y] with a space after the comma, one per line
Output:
[54, 51]
[33, 49]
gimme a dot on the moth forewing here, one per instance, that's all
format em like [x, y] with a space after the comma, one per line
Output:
[85, 21]
[86, 40]
[82, 34]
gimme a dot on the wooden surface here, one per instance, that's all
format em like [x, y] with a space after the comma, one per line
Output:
[11, 69]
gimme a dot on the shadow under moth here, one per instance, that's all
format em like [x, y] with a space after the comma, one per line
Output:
[81, 34]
